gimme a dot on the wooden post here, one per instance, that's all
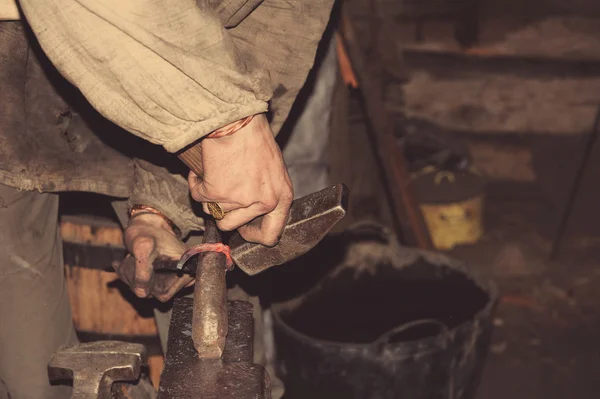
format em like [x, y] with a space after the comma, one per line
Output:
[404, 203]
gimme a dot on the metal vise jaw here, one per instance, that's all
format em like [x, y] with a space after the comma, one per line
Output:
[95, 366]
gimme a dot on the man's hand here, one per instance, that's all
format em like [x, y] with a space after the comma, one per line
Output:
[147, 237]
[245, 173]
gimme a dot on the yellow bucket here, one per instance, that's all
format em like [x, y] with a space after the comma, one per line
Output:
[452, 206]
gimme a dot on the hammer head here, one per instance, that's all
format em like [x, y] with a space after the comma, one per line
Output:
[311, 218]
[94, 366]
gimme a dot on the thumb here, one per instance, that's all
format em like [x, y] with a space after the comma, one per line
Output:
[143, 249]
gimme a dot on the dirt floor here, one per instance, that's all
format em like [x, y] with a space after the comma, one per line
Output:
[547, 325]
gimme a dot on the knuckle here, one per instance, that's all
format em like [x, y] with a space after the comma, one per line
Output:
[126, 269]
[244, 198]
[219, 192]
[160, 293]
[131, 233]
[225, 225]
[196, 194]
[269, 203]
[163, 297]
[141, 292]
[270, 240]
[193, 179]
[142, 246]
[143, 270]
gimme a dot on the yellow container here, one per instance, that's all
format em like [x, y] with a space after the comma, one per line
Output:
[452, 206]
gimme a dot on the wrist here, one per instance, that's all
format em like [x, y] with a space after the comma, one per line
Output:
[231, 128]
[152, 216]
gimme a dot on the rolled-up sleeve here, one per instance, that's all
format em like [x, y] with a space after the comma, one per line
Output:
[165, 70]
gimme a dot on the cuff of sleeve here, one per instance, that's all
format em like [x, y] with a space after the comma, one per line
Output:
[183, 219]
[190, 133]
[166, 192]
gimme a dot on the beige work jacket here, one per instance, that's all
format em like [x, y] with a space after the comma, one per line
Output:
[168, 71]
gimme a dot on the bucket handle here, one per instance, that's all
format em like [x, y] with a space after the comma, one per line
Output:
[384, 338]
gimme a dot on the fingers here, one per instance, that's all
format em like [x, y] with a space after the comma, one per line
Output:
[246, 175]
[143, 250]
[138, 272]
[166, 285]
[269, 230]
[145, 239]
[241, 216]
[197, 187]
[162, 286]
[226, 207]
[126, 270]
[145, 282]
[200, 193]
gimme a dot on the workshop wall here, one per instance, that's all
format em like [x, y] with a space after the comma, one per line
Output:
[522, 94]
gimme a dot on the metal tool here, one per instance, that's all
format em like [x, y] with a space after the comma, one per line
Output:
[221, 364]
[311, 218]
[209, 322]
[95, 366]
[233, 376]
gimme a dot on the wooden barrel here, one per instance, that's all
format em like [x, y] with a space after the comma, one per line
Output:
[103, 306]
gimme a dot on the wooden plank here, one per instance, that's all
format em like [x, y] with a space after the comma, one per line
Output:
[91, 231]
[97, 296]
[98, 305]
[444, 63]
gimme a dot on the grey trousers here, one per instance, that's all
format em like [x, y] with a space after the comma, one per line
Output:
[35, 317]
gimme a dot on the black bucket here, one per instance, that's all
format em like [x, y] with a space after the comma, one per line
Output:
[387, 322]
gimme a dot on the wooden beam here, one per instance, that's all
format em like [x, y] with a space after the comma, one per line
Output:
[403, 201]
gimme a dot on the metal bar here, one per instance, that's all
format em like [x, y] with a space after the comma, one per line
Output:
[209, 323]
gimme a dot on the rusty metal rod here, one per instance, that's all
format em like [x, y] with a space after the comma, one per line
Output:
[209, 322]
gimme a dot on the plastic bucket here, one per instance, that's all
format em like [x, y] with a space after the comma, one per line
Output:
[387, 322]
